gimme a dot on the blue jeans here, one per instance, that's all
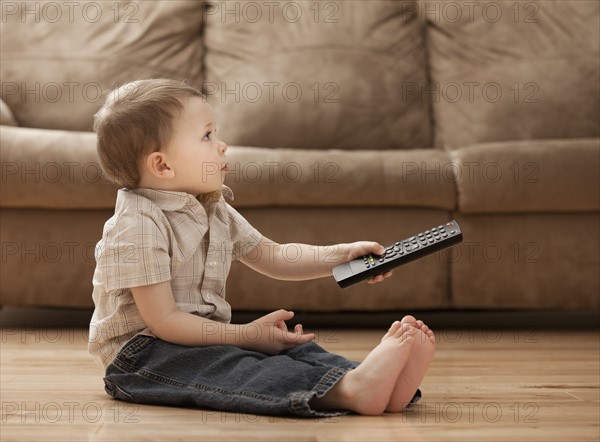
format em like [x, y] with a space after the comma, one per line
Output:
[148, 370]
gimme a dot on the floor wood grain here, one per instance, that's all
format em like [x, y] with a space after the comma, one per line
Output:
[503, 385]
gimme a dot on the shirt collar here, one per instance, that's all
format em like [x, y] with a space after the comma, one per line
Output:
[172, 201]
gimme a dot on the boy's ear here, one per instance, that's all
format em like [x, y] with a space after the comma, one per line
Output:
[156, 164]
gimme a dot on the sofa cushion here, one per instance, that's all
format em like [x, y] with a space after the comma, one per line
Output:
[60, 169]
[505, 70]
[58, 59]
[317, 75]
[52, 169]
[298, 177]
[528, 176]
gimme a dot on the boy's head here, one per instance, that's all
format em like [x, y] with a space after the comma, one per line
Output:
[160, 133]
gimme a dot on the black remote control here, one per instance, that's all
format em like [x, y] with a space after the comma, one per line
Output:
[399, 253]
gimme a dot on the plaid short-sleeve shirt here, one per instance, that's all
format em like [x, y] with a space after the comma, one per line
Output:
[157, 236]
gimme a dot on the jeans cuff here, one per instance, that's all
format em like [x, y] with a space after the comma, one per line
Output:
[299, 401]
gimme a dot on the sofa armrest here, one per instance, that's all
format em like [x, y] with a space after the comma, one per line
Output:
[6, 116]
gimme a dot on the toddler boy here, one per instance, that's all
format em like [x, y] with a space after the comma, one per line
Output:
[161, 328]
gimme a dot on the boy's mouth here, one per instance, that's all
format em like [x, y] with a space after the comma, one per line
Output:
[225, 168]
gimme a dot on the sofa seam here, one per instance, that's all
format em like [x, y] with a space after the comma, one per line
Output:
[427, 61]
[203, 26]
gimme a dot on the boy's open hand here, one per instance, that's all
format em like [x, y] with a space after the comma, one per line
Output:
[269, 334]
[360, 248]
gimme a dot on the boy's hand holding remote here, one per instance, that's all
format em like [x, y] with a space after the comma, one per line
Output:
[161, 328]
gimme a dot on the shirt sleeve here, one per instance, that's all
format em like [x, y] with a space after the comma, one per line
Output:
[244, 236]
[133, 252]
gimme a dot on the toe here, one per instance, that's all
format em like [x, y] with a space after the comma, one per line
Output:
[405, 330]
[409, 319]
[394, 328]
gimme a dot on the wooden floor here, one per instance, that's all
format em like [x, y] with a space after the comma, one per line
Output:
[512, 385]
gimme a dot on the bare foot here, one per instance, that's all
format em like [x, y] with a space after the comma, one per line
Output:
[414, 369]
[428, 332]
[367, 389]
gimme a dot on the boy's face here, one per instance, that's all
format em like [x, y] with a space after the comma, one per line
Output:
[194, 152]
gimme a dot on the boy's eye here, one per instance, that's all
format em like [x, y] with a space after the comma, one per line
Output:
[207, 136]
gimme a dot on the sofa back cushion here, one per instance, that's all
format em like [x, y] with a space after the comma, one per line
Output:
[58, 59]
[507, 70]
[317, 74]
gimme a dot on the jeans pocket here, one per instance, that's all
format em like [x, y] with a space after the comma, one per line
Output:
[134, 346]
[116, 392]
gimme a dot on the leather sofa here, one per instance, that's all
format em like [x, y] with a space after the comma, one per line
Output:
[346, 120]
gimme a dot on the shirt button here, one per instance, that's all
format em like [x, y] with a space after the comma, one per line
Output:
[211, 264]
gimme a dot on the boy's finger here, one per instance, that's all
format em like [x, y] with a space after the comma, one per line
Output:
[278, 315]
[298, 339]
[303, 339]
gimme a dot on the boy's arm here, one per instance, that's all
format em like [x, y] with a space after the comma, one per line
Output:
[298, 262]
[267, 334]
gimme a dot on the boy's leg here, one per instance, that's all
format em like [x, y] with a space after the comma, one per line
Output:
[414, 370]
[151, 371]
[367, 389]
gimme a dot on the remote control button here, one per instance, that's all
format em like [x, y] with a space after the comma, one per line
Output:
[396, 248]
[444, 235]
[452, 232]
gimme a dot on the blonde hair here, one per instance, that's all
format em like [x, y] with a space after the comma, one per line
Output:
[136, 120]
